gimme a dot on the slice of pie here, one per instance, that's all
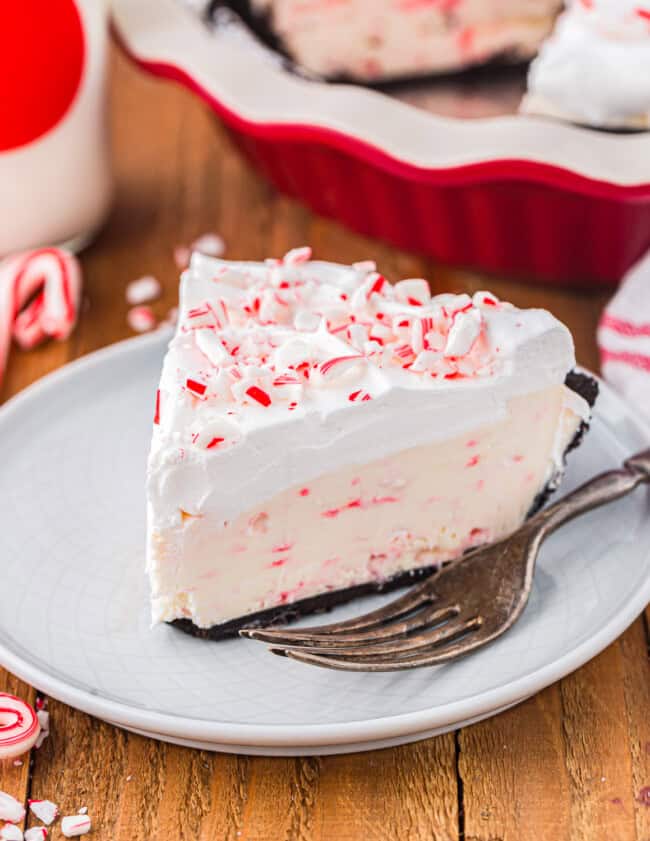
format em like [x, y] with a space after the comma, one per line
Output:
[320, 433]
[379, 40]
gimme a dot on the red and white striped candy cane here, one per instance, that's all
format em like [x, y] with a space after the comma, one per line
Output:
[39, 298]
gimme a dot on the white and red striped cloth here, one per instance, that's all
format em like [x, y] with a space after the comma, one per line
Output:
[624, 337]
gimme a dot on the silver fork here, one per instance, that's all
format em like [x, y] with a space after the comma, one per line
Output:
[461, 608]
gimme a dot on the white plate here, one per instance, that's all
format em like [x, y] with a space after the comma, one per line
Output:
[74, 615]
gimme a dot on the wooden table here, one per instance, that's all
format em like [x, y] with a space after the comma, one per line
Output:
[570, 763]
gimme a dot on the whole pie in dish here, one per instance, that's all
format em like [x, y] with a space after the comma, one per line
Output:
[321, 433]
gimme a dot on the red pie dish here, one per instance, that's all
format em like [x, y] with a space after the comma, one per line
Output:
[520, 195]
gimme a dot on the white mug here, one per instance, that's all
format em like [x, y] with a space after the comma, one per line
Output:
[55, 174]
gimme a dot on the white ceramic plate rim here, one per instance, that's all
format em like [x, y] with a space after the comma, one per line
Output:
[323, 750]
[244, 81]
[313, 735]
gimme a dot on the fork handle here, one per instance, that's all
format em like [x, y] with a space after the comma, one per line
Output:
[598, 491]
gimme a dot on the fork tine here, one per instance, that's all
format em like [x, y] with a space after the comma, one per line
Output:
[419, 595]
[427, 616]
[440, 655]
[393, 648]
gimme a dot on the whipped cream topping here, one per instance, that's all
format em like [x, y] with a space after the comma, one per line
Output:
[256, 342]
[294, 355]
[595, 68]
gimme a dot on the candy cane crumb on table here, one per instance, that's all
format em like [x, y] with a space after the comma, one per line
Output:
[36, 833]
[10, 809]
[11, 832]
[46, 811]
[13, 812]
[141, 319]
[143, 290]
[74, 825]
[210, 244]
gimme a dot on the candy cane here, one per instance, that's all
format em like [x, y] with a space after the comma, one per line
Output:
[39, 298]
[19, 726]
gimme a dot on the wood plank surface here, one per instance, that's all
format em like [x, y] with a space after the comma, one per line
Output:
[569, 764]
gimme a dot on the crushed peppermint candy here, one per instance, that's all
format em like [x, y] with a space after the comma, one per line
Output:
[10, 808]
[46, 811]
[195, 387]
[365, 266]
[42, 736]
[288, 333]
[258, 395]
[414, 292]
[211, 346]
[359, 396]
[297, 255]
[216, 434]
[333, 369]
[36, 833]
[143, 290]
[44, 720]
[141, 319]
[182, 256]
[212, 245]
[11, 832]
[464, 331]
[73, 826]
